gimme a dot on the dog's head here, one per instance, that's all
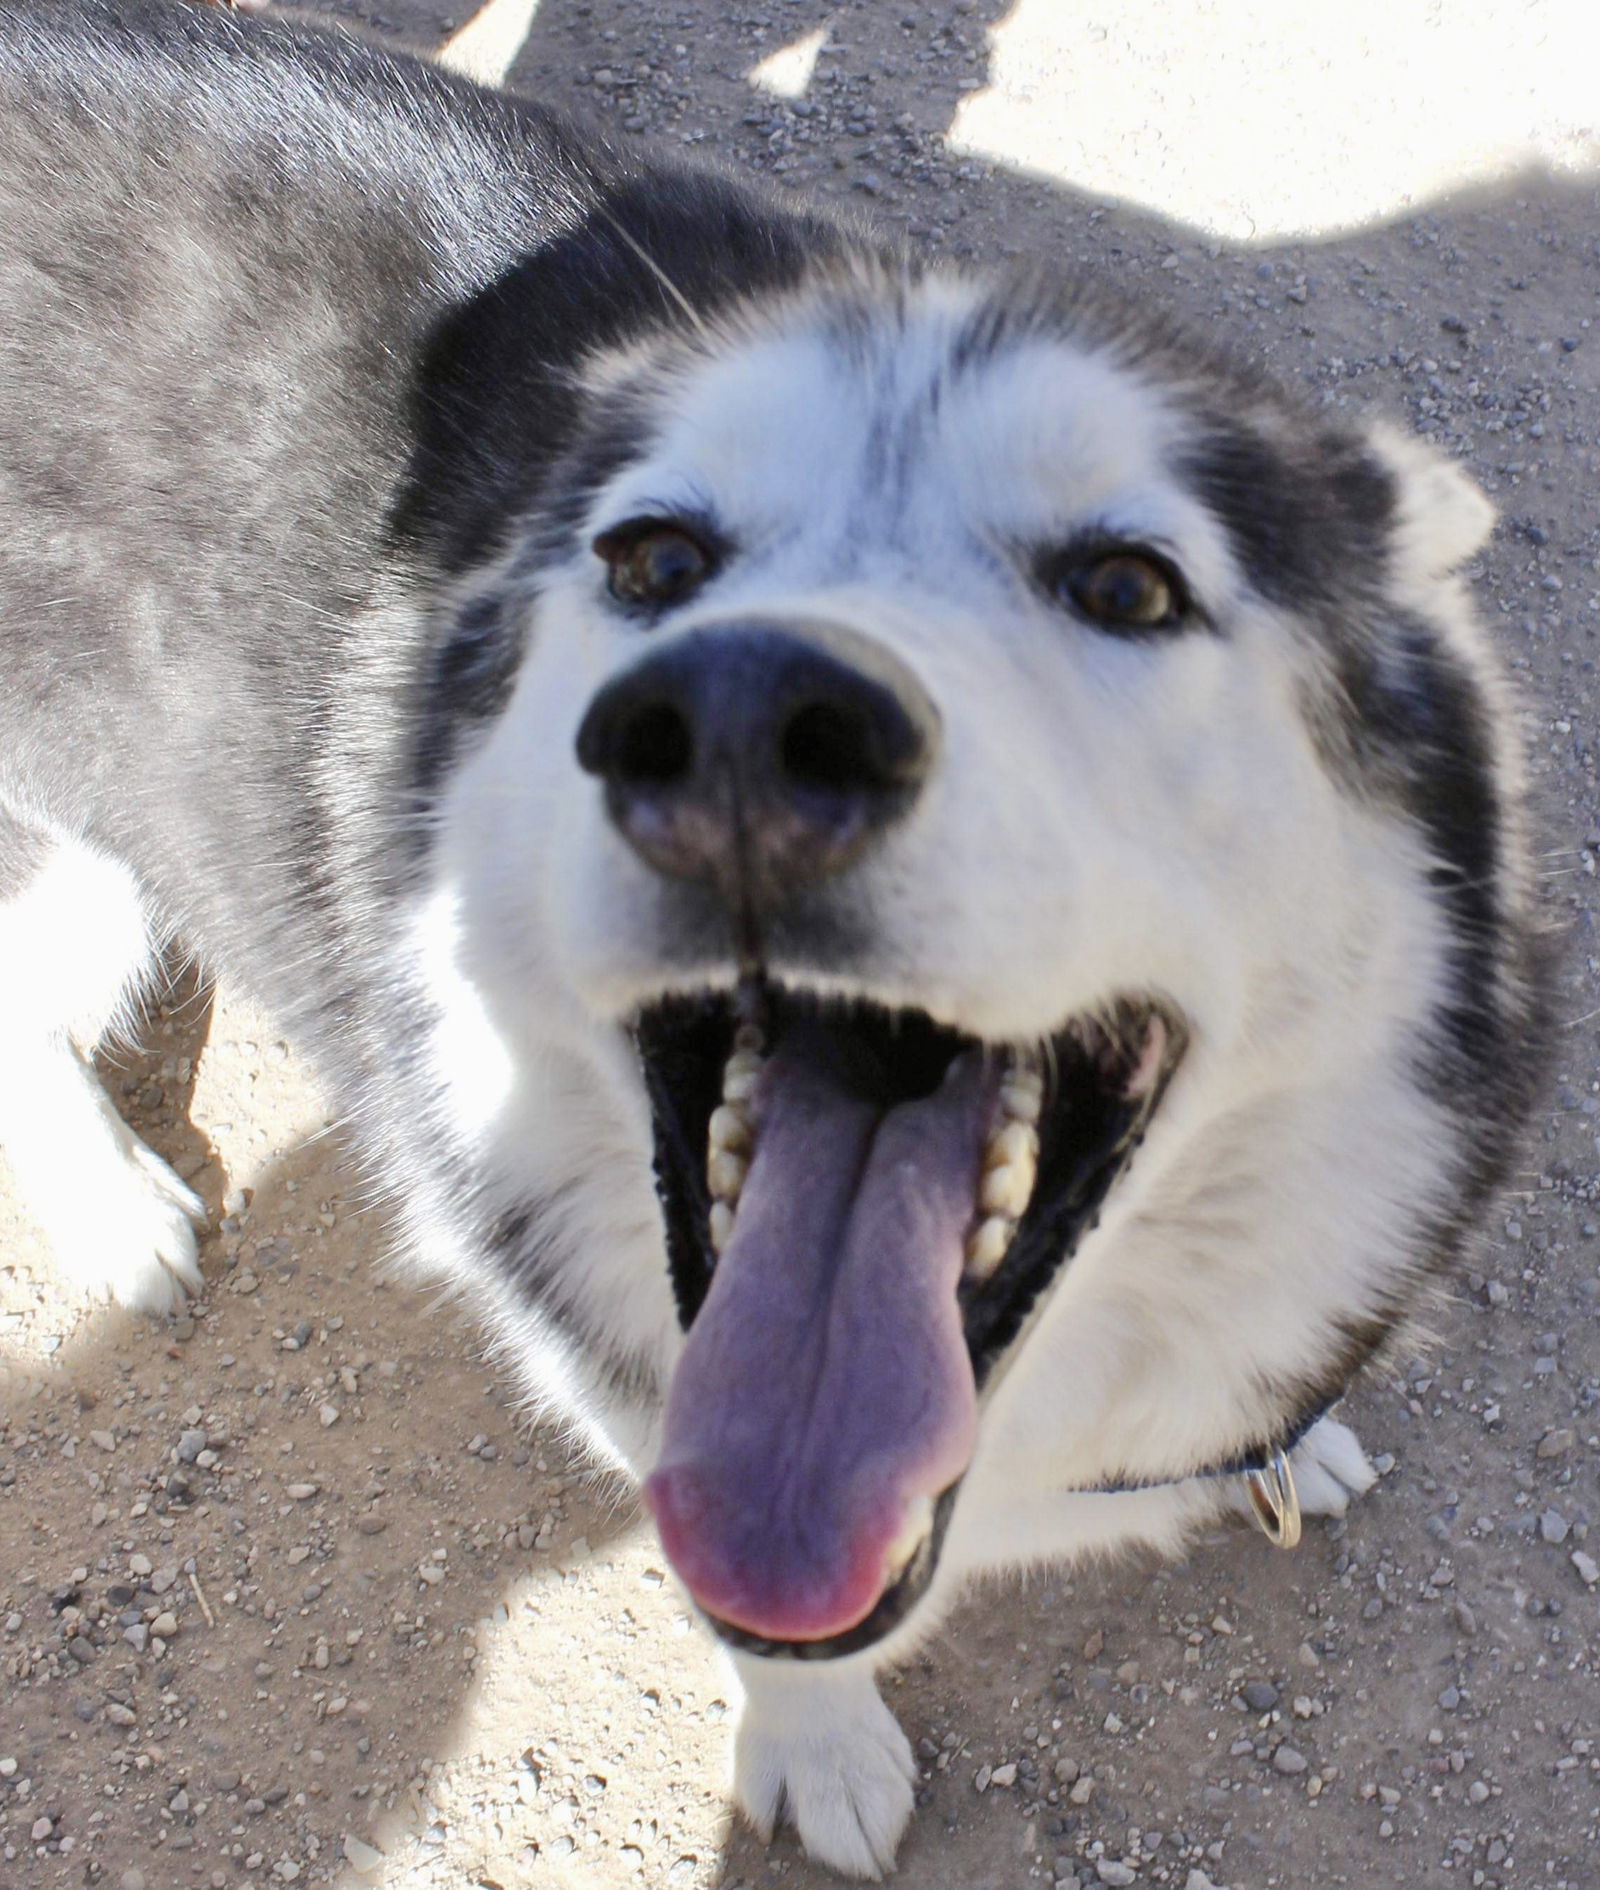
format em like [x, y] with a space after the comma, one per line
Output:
[982, 903]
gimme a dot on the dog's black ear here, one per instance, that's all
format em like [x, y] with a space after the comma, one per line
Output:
[497, 386]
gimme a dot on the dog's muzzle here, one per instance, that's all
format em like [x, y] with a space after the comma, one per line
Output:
[760, 757]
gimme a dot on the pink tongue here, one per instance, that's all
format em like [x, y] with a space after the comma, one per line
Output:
[825, 1384]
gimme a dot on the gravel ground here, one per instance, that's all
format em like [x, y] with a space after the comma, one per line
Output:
[288, 1594]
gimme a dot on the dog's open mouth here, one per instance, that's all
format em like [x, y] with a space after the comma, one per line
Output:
[862, 1208]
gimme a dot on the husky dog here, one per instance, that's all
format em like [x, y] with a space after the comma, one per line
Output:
[919, 880]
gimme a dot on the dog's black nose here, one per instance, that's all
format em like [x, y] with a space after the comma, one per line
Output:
[759, 759]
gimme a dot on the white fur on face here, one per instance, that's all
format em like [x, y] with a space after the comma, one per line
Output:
[1109, 815]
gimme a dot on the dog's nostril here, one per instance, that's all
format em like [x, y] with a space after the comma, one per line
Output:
[823, 746]
[653, 748]
[756, 759]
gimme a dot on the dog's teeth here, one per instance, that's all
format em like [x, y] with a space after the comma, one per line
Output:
[730, 1133]
[725, 1173]
[1011, 1168]
[1013, 1145]
[729, 1128]
[1007, 1191]
[740, 1075]
[913, 1533]
[986, 1247]
[1022, 1095]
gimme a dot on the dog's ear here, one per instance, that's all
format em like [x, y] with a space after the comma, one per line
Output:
[1441, 516]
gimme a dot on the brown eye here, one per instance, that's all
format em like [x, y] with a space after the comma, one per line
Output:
[1122, 590]
[653, 563]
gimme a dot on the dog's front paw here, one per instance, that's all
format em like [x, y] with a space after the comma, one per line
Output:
[816, 1745]
[1330, 1469]
[126, 1230]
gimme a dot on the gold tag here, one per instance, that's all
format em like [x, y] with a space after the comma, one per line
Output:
[1273, 1502]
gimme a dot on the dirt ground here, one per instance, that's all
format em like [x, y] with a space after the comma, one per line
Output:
[288, 1594]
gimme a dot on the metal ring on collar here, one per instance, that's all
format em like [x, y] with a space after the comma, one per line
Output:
[1274, 1505]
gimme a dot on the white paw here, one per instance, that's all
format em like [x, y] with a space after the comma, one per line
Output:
[1330, 1468]
[129, 1232]
[120, 1222]
[817, 1746]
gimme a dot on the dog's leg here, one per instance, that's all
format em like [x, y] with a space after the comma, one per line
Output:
[817, 1745]
[73, 946]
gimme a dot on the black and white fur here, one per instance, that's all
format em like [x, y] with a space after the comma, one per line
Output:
[320, 371]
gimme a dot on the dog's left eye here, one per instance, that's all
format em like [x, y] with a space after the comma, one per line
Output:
[653, 562]
[1121, 590]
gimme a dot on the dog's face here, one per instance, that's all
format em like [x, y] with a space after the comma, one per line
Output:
[963, 821]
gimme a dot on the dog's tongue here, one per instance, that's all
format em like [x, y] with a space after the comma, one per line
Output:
[825, 1392]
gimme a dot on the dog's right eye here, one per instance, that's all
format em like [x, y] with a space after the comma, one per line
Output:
[1128, 588]
[653, 562]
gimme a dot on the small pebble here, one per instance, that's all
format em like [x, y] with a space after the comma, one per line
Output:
[361, 1856]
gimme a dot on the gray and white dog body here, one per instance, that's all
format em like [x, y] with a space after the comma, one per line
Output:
[916, 879]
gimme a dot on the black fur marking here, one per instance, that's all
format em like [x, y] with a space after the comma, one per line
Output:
[470, 675]
[497, 399]
[1309, 523]
[618, 428]
[1416, 707]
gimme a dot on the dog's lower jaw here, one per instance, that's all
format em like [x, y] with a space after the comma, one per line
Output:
[817, 1746]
